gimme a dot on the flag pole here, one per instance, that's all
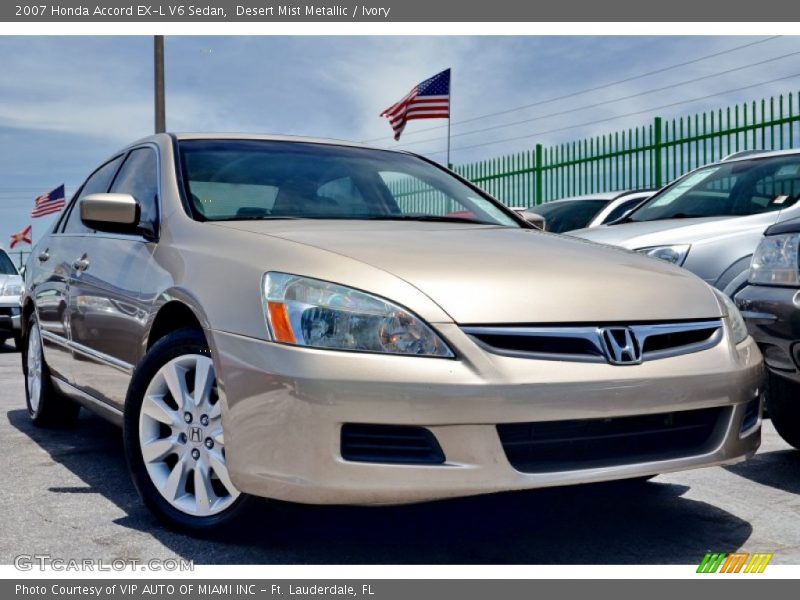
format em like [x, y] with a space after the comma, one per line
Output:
[449, 112]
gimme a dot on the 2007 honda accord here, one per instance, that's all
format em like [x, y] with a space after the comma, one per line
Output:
[320, 322]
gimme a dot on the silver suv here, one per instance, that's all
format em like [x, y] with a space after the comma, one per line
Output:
[711, 220]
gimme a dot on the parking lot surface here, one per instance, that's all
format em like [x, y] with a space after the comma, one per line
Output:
[67, 493]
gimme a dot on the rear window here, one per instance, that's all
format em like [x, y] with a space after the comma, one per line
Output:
[624, 208]
[569, 215]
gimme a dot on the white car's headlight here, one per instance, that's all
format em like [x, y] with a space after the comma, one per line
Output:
[735, 319]
[11, 289]
[674, 254]
[319, 314]
[775, 261]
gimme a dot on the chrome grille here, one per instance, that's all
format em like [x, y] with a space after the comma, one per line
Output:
[587, 343]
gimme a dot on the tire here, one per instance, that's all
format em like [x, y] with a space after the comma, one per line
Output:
[46, 406]
[177, 464]
[783, 406]
[18, 342]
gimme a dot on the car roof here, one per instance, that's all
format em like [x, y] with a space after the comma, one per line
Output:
[163, 137]
[751, 154]
[602, 196]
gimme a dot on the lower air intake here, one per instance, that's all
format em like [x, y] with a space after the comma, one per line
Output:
[403, 444]
[596, 443]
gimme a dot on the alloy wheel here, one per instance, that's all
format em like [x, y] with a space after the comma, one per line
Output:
[181, 437]
[34, 365]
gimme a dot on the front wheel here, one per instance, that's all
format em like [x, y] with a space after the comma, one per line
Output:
[783, 406]
[174, 440]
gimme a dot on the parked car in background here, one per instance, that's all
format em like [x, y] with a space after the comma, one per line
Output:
[560, 216]
[10, 295]
[711, 220]
[276, 317]
[771, 307]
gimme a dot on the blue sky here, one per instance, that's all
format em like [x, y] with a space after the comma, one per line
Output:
[66, 103]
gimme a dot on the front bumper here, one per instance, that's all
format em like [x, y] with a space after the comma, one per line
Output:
[9, 315]
[285, 408]
[773, 318]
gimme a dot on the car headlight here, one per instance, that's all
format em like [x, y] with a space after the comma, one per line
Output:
[11, 289]
[319, 314]
[775, 261]
[674, 254]
[735, 319]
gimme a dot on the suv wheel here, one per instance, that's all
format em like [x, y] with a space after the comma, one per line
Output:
[174, 440]
[783, 406]
[45, 405]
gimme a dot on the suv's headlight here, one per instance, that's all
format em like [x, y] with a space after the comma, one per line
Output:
[675, 254]
[320, 314]
[735, 319]
[11, 289]
[775, 261]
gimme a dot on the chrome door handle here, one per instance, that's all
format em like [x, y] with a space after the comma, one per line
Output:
[81, 264]
[44, 255]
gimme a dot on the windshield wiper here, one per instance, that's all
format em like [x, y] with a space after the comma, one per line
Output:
[433, 218]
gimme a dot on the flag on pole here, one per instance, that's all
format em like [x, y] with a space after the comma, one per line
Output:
[49, 203]
[23, 237]
[427, 100]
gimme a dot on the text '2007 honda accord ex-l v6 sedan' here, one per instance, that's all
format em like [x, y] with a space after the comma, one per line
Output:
[321, 322]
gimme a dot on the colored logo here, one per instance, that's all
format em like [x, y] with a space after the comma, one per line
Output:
[737, 562]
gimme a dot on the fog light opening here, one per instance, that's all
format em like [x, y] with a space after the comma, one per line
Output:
[752, 417]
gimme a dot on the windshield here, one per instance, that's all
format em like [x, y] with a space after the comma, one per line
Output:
[738, 188]
[568, 215]
[243, 179]
[6, 266]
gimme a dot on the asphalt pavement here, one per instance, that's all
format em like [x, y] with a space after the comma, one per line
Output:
[67, 493]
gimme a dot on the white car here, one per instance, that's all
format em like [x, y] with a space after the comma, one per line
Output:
[592, 210]
[10, 293]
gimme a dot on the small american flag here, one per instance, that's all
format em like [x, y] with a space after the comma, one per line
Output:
[49, 203]
[428, 100]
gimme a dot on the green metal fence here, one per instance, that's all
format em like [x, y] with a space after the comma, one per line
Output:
[648, 156]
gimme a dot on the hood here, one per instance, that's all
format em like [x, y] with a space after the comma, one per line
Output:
[643, 234]
[485, 274]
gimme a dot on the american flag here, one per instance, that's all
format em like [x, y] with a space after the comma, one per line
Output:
[23, 237]
[49, 203]
[428, 100]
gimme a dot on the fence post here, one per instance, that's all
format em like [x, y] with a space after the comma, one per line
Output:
[657, 129]
[537, 170]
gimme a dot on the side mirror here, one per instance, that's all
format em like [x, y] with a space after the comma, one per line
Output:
[535, 219]
[110, 211]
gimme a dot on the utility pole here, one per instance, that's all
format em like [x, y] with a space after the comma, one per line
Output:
[158, 72]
